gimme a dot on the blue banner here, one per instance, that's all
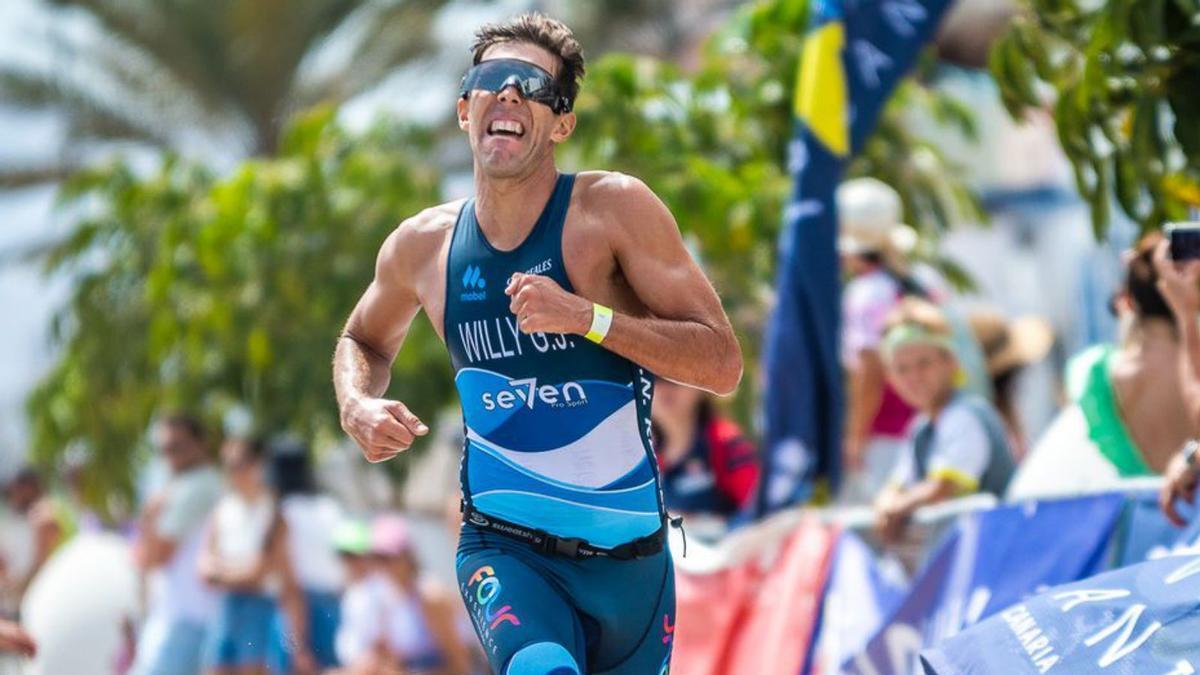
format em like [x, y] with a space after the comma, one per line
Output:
[1139, 619]
[854, 56]
[863, 591]
[1143, 532]
[986, 563]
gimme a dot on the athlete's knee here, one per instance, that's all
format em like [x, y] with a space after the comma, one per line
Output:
[542, 658]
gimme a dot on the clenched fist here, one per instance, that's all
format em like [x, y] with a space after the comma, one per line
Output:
[542, 306]
[382, 428]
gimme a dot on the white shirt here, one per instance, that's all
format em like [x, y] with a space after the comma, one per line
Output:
[311, 521]
[960, 448]
[1064, 462]
[176, 589]
[375, 609]
[242, 527]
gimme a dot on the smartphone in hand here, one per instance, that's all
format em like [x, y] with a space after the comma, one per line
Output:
[1185, 240]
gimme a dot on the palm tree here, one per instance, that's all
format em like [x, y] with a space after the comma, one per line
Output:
[204, 74]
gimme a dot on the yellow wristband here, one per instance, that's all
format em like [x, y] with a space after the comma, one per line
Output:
[601, 322]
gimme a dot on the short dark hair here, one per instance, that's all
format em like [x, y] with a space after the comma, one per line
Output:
[1141, 281]
[188, 423]
[538, 29]
[26, 476]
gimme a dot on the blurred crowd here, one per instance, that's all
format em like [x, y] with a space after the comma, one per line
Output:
[248, 567]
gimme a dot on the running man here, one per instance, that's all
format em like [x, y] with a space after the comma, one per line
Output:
[557, 296]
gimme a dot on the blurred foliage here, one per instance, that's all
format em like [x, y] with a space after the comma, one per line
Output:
[205, 293]
[713, 144]
[211, 293]
[1125, 77]
[171, 74]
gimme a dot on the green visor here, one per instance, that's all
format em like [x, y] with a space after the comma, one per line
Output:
[352, 537]
[534, 83]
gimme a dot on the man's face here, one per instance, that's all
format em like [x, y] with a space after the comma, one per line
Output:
[922, 374]
[242, 469]
[180, 449]
[508, 134]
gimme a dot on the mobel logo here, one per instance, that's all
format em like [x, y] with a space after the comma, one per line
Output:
[474, 285]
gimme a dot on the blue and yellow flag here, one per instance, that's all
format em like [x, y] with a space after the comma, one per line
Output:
[855, 54]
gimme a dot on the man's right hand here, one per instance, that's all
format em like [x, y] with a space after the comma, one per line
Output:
[382, 428]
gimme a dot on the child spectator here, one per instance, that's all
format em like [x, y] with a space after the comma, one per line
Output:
[957, 444]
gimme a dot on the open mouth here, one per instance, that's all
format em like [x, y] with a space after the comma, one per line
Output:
[507, 128]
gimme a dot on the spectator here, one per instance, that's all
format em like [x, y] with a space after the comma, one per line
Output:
[170, 537]
[246, 558]
[312, 519]
[1179, 284]
[358, 627]
[1010, 346]
[1127, 415]
[707, 465]
[40, 528]
[873, 244]
[408, 623]
[957, 444]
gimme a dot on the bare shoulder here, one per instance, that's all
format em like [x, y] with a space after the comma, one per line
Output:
[416, 241]
[624, 206]
[604, 192]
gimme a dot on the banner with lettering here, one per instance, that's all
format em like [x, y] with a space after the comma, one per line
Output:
[987, 562]
[1142, 619]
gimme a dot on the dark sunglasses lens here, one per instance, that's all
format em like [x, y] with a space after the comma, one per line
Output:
[534, 83]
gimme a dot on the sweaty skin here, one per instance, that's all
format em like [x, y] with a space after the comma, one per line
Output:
[621, 247]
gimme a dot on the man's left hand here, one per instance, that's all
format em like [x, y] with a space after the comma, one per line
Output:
[542, 306]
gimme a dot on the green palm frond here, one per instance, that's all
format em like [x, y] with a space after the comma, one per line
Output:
[227, 68]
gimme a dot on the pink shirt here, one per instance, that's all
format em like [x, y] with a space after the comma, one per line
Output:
[866, 301]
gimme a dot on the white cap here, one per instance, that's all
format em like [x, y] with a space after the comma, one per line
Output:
[869, 218]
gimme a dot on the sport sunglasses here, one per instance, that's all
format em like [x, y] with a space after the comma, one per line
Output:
[534, 83]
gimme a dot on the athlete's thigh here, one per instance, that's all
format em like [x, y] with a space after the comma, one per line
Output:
[525, 625]
[651, 654]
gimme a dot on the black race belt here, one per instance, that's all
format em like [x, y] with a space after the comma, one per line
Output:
[568, 547]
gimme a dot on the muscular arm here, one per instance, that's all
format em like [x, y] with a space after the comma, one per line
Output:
[368, 345]
[687, 337]
[376, 327]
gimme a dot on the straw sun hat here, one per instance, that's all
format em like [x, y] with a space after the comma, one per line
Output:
[869, 220]
[1010, 344]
